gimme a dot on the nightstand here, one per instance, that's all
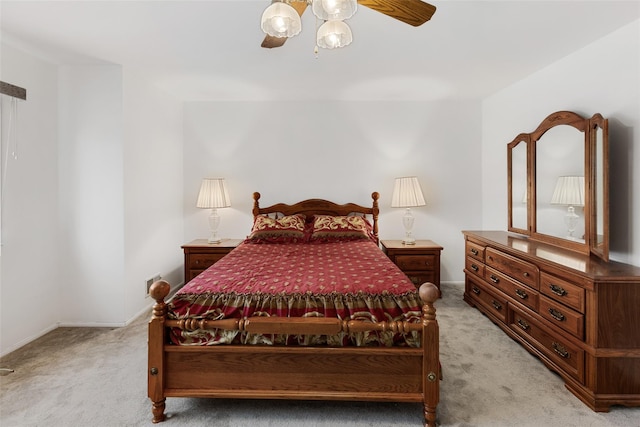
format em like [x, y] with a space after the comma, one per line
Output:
[200, 255]
[420, 262]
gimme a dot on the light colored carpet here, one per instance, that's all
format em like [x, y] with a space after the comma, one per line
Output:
[97, 377]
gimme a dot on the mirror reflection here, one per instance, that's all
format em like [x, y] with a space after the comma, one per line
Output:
[560, 185]
[519, 199]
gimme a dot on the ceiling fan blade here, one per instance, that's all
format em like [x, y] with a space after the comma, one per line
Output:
[270, 42]
[412, 12]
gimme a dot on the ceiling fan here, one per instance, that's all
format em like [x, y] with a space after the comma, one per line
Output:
[412, 12]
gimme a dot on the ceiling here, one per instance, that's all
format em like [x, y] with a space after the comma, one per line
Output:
[210, 49]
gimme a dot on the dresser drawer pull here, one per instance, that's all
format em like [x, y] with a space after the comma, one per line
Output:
[474, 251]
[558, 290]
[475, 290]
[556, 315]
[523, 325]
[494, 279]
[526, 274]
[522, 294]
[560, 350]
[496, 305]
[474, 267]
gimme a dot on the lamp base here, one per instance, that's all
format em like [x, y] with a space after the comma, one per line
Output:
[214, 240]
[408, 241]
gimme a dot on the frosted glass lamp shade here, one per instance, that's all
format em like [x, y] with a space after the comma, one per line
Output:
[331, 10]
[334, 34]
[281, 20]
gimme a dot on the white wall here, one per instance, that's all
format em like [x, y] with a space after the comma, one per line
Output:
[29, 275]
[93, 204]
[341, 151]
[600, 78]
[153, 229]
[90, 157]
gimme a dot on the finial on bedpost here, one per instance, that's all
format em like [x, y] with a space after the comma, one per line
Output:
[159, 291]
[429, 294]
[256, 205]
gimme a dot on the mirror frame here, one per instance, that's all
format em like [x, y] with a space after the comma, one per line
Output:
[590, 128]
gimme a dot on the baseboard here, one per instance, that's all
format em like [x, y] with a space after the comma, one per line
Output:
[26, 341]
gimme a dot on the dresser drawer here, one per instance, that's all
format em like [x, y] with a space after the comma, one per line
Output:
[562, 352]
[491, 300]
[416, 262]
[562, 291]
[569, 320]
[473, 266]
[518, 269]
[475, 251]
[521, 293]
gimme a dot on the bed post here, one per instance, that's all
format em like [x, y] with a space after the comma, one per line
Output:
[429, 293]
[155, 374]
[375, 212]
[256, 204]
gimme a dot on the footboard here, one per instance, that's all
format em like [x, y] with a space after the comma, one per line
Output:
[399, 374]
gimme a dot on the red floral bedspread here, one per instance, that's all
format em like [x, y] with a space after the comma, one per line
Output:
[345, 279]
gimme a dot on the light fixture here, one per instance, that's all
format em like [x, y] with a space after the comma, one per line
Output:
[569, 192]
[334, 34]
[281, 20]
[213, 195]
[407, 193]
[332, 10]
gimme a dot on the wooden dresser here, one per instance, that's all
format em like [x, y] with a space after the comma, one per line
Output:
[200, 255]
[578, 314]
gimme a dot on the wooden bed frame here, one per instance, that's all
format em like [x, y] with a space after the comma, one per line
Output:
[395, 374]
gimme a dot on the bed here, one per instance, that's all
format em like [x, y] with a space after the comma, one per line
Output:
[307, 308]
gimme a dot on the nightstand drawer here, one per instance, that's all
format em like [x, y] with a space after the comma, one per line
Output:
[203, 261]
[200, 255]
[416, 262]
[418, 278]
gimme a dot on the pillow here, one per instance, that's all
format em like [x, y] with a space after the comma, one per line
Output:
[331, 228]
[288, 229]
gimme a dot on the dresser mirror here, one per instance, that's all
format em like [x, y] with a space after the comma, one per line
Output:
[558, 183]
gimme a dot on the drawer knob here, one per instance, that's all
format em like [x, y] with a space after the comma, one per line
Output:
[496, 305]
[560, 350]
[558, 290]
[475, 290]
[474, 251]
[556, 315]
[474, 267]
[526, 274]
[523, 325]
[522, 294]
[494, 279]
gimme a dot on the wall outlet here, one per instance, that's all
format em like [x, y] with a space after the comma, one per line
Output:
[151, 281]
